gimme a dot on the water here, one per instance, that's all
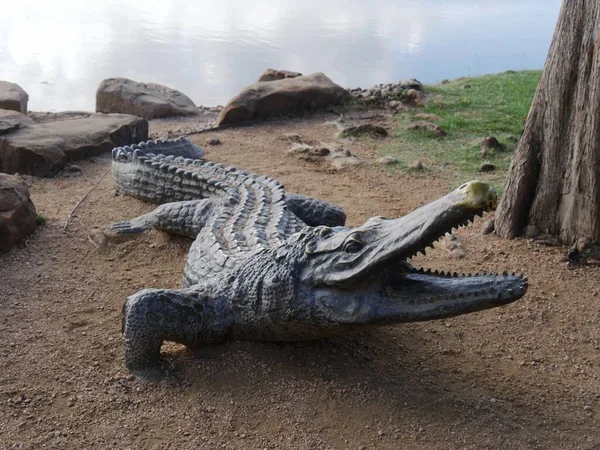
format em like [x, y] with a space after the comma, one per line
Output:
[60, 50]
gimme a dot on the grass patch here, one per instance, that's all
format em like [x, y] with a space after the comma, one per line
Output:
[469, 109]
[40, 219]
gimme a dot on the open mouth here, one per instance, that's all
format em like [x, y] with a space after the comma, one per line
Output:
[437, 293]
[432, 293]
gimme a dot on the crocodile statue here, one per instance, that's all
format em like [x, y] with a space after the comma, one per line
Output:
[257, 271]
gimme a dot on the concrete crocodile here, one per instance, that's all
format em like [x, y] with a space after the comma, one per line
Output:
[257, 271]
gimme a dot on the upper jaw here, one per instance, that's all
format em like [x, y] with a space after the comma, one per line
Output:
[388, 240]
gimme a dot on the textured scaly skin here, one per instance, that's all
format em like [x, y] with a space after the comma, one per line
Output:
[256, 271]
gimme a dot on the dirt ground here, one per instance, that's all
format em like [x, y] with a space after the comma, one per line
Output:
[522, 376]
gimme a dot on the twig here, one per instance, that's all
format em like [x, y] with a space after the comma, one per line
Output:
[83, 198]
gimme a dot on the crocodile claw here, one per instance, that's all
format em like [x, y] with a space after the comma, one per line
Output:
[128, 227]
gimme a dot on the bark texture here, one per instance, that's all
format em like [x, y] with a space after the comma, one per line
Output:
[553, 182]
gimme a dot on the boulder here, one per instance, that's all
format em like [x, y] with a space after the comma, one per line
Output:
[11, 120]
[274, 74]
[43, 149]
[308, 92]
[13, 97]
[147, 100]
[17, 213]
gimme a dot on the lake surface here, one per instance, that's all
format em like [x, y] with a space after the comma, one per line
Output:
[60, 50]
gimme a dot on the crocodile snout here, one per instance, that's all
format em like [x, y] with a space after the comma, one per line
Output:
[477, 195]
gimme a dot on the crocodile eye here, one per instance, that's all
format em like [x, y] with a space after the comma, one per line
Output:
[353, 247]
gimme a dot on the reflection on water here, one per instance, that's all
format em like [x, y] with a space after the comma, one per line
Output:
[59, 51]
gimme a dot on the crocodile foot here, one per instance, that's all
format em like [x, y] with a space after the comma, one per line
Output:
[133, 226]
[151, 374]
[153, 316]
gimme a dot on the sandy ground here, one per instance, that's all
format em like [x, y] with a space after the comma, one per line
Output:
[522, 376]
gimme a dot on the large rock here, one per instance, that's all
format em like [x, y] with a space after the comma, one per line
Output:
[147, 100]
[13, 97]
[17, 213]
[297, 94]
[43, 149]
[274, 74]
[11, 120]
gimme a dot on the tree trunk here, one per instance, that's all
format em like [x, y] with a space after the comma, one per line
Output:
[553, 181]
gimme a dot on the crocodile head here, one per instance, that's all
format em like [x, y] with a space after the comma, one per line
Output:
[362, 275]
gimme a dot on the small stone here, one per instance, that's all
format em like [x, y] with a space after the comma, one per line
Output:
[213, 141]
[394, 104]
[417, 165]
[587, 408]
[387, 160]
[300, 148]
[380, 433]
[292, 137]
[491, 143]
[428, 126]
[487, 167]
[413, 96]
[321, 151]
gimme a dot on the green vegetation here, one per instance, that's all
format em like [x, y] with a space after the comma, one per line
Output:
[40, 219]
[469, 109]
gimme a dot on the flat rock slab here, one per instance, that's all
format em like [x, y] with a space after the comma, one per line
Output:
[11, 120]
[289, 95]
[147, 100]
[17, 213]
[44, 149]
[13, 97]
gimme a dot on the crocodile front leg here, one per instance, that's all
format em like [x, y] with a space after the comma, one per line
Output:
[185, 218]
[186, 316]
